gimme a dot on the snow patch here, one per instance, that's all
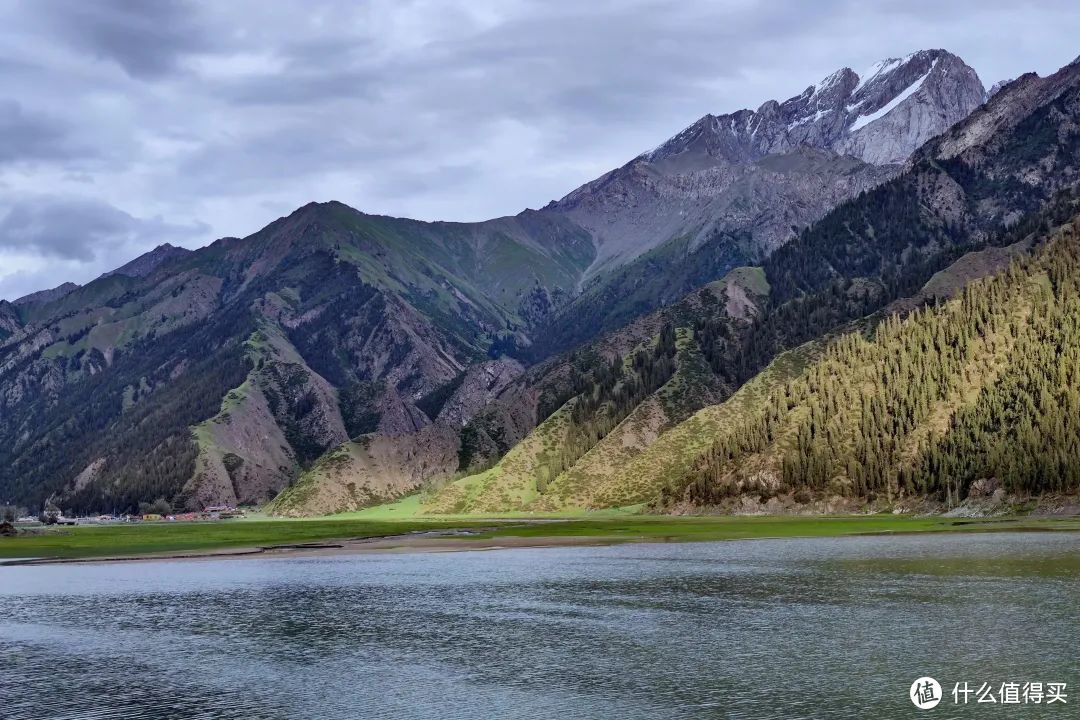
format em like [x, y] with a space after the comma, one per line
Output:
[881, 67]
[864, 120]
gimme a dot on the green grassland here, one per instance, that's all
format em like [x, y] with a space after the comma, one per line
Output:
[609, 526]
[143, 538]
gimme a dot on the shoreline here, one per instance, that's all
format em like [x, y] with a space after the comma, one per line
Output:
[449, 541]
[460, 540]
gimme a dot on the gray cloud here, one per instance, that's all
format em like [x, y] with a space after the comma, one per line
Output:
[231, 113]
[147, 39]
[27, 137]
[82, 229]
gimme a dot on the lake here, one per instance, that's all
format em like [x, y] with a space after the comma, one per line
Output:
[830, 628]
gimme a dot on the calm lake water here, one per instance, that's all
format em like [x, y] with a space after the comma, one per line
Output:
[829, 628]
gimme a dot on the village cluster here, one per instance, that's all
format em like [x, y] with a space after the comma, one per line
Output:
[55, 517]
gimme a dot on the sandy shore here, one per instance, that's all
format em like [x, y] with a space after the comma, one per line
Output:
[449, 541]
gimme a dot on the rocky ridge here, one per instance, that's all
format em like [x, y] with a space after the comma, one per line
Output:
[880, 118]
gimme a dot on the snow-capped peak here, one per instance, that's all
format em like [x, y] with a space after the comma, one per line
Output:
[843, 112]
[881, 67]
[862, 121]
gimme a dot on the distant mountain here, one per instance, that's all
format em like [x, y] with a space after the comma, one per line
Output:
[266, 350]
[350, 358]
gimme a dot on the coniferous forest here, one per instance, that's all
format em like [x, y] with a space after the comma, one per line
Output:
[984, 388]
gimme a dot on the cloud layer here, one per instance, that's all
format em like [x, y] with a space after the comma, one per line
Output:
[124, 124]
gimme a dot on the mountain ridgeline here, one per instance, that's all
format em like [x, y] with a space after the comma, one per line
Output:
[623, 345]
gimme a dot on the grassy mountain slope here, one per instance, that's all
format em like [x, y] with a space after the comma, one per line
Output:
[620, 405]
[254, 356]
[954, 401]
[370, 470]
[637, 477]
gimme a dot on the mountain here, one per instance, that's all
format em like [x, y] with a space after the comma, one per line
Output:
[220, 373]
[348, 358]
[44, 296]
[755, 207]
[965, 202]
[879, 119]
[148, 262]
[923, 94]
[730, 189]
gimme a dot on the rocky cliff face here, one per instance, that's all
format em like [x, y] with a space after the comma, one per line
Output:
[397, 458]
[905, 103]
[922, 95]
[9, 319]
[696, 182]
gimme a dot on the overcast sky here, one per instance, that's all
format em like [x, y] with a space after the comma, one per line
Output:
[126, 124]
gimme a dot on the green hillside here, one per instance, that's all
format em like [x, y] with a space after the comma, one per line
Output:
[618, 406]
[959, 399]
